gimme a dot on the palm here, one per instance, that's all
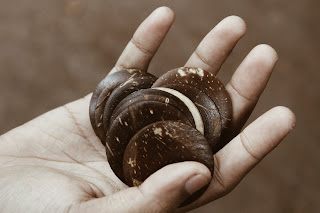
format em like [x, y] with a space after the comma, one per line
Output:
[56, 149]
[56, 162]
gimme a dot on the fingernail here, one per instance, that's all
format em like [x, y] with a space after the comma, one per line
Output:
[196, 182]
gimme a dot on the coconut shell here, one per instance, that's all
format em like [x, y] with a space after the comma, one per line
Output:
[102, 93]
[204, 81]
[208, 110]
[161, 144]
[155, 95]
[130, 121]
[121, 92]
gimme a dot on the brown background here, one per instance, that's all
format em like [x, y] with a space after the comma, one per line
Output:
[52, 52]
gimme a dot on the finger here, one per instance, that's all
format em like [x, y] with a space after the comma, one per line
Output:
[146, 40]
[253, 144]
[218, 44]
[245, 151]
[249, 81]
[161, 192]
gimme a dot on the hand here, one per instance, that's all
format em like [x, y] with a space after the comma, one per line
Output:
[55, 162]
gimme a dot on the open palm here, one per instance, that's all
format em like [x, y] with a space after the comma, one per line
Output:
[55, 163]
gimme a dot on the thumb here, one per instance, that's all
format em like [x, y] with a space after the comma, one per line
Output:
[163, 191]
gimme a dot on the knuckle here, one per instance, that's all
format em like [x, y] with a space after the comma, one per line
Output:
[247, 145]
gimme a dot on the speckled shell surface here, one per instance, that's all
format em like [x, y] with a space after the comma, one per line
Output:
[160, 144]
[121, 92]
[155, 95]
[130, 121]
[204, 81]
[102, 93]
[184, 116]
[208, 110]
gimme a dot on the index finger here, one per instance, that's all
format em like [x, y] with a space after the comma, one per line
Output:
[146, 41]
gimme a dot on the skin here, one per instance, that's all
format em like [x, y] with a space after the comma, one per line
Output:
[55, 163]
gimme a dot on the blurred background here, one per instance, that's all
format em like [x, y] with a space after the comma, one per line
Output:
[53, 52]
